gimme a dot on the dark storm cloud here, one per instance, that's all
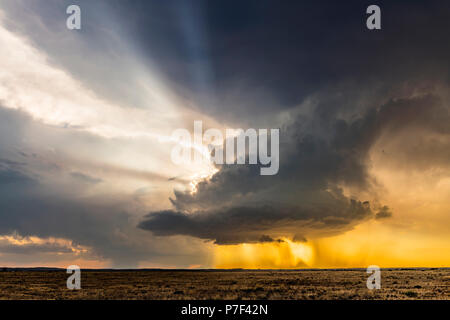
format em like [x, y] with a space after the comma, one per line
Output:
[243, 61]
[238, 205]
[364, 86]
[248, 224]
[241, 57]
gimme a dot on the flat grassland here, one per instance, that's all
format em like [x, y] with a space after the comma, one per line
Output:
[223, 284]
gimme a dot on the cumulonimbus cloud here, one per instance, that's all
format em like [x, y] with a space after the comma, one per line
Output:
[237, 205]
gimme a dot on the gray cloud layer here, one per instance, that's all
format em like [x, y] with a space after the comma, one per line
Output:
[238, 205]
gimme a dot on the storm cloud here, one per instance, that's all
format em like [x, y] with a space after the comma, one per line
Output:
[306, 197]
[343, 93]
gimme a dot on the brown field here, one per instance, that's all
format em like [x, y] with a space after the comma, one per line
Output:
[245, 284]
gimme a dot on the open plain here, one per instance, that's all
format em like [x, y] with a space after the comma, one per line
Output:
[226, 284]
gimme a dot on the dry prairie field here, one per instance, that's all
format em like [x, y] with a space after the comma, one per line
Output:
[229, 285]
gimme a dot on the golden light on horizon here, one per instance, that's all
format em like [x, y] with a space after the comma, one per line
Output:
[370, 243]
[268, 255]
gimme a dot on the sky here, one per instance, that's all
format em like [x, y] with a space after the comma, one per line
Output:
[87, 116]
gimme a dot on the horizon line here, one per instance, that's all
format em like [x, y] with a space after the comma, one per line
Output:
[213, 269]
